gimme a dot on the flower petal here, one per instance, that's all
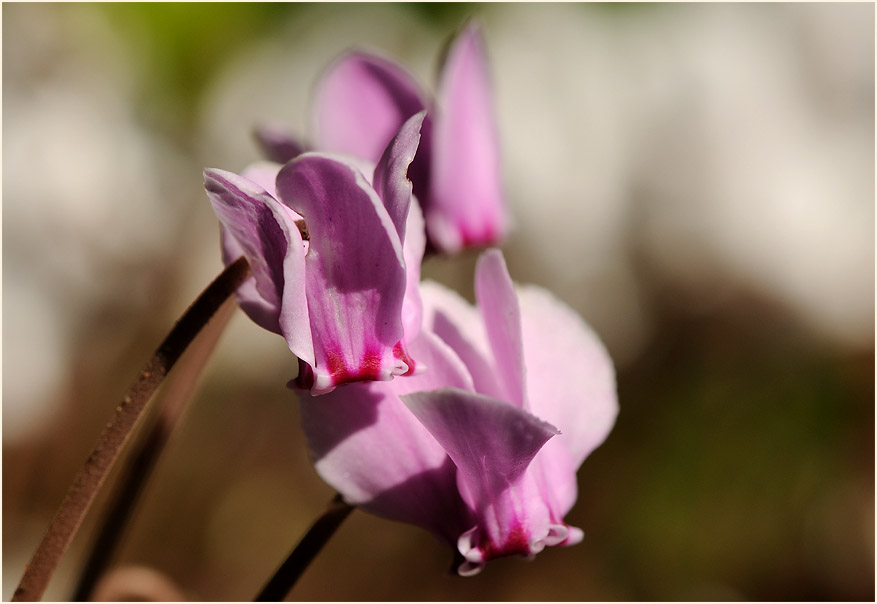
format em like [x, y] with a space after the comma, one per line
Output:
[368, 446]
[466, 205]
[361, 102]
[263, 230]
[571, 380]
[394, 188]
[355, 273]
[491, 441]
[264, 174]
[459, 325]
[277, 144]
[492, 444]
[413, 248]
[390, 176]
[498, 304]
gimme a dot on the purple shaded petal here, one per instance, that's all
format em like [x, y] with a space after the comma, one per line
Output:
[263, 230]
[390, 176]
[277, 144]
[492, 444]
[265, 314]
[361, 102]
[466, 205]
[368, 446]
[419, 170]
[571, 380]
[498, 304]
[355, 273]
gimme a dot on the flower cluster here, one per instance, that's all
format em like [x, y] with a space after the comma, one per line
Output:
[470, 422]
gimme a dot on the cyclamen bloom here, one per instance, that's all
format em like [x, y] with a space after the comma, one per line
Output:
[363, 99]
[346, 299]
[483, 446]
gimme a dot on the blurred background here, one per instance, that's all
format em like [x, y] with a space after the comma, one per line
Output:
[696, 180]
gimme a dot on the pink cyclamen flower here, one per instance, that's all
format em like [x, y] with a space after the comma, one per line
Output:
[345, 298]
[363, 99]
[482, 447]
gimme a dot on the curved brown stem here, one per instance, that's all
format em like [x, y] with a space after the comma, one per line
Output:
[279, 586]
[91, 476]
[147, 451]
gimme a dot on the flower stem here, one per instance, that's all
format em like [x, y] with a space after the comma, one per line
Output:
[91, 476]
[279, 586]
[148, 450]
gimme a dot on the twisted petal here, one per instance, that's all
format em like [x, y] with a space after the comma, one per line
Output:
[394, 188]
[492, 444]
[466, 205]
[370, 448]
[390, 176]
[355, 273]
[361, 102]
[256, 225]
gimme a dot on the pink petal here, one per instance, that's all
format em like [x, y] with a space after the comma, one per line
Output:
[264, 174]
[460, 326]
[498, 304]
[413, 248]
[355, 273]
[570, 377]
[277, 144]
[391, 173]
[492, 444]
[265, 314]
[554, 476]
[466, 203]
[394, 188]
[368, 446]
[361, 102]
[263, 230]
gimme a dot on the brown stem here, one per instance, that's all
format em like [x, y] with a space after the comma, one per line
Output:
[279, 586]
[91, 476]
[148, 450]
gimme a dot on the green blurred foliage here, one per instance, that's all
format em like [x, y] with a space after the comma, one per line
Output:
[180, 46]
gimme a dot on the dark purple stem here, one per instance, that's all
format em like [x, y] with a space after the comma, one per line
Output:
[279, 586]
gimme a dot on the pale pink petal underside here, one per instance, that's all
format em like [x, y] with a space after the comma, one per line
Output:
[498, 304]
[570, 377]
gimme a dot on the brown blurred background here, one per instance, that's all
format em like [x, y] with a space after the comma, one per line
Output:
[696, 180]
